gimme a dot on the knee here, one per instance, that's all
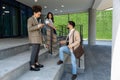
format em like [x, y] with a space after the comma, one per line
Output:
[61, 49]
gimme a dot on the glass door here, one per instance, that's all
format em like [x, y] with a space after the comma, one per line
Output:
[23, 23]
[6, 21]
[14, 21]
[9, 21]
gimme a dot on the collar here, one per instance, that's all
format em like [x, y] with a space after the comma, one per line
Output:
[34, 17]
[72, 30]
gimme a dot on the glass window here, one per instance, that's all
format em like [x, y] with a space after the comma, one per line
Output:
[6, 20]
[13, 19]
[15, 23]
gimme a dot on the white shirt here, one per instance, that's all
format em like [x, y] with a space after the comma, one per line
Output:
[47, 21]
[70, 33]
[51, 23]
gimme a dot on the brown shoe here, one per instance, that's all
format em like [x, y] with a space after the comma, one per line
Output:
[59, 62]
[74, 77]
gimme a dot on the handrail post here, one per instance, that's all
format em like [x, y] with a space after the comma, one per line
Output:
[51, 40]
[62, 30]
[81, 43]
[65, 31]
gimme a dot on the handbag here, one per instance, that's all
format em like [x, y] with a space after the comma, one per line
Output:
[79, 51]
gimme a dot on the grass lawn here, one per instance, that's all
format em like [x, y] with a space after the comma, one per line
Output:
[103, 25]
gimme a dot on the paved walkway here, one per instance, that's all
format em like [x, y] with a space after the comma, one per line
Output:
[100, 42]
[97, 63]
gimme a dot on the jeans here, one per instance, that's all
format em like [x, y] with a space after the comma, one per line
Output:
[66, 50]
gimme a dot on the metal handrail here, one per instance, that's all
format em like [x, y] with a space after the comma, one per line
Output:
[64, 32]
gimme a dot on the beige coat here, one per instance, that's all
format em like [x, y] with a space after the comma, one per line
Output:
[34, 33]
[76, 40]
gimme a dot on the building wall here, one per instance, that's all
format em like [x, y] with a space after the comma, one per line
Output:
[13, 18]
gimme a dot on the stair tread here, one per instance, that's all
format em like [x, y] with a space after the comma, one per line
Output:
[14, 62]
[8, 43]
[47, 73]
[11, 46]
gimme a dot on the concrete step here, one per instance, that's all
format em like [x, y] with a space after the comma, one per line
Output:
[14, 50]
[51, 71]
[13, 67]
[11, 50]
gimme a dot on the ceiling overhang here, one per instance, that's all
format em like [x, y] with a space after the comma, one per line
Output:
[68, 6]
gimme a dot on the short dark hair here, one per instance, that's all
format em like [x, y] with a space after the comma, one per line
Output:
[72, 23]
[37, 8]
[52, 16]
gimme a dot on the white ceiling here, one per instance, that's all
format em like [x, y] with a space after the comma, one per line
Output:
[105, 4]
[70, 6]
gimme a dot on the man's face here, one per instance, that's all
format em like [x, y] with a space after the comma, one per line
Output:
[68, 26]
[38, 14]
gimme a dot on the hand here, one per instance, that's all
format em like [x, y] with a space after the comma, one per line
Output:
[55, 28]
[62, 42]
[40, 25]
[70, 47]
[49, 24]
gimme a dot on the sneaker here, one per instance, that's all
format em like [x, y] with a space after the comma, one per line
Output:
[74, 77]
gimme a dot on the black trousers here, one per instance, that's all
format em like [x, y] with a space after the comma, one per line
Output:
[34, 54]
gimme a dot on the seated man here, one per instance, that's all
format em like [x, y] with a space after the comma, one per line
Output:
[72, 41]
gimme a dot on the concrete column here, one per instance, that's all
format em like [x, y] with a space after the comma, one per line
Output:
[115, 68]
[92, 27]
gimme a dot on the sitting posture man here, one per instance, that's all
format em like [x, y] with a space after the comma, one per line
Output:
[72, 41]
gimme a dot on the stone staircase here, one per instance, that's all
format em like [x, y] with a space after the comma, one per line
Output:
[14, 64]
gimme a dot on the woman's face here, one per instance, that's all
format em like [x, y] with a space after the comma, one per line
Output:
[50, 16]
